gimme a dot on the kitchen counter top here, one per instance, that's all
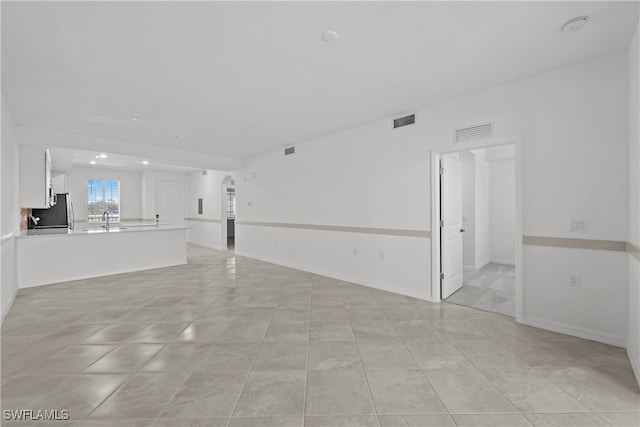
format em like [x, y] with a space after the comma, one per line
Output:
[115, 228]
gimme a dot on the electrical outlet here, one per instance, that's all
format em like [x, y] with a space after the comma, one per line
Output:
[355, 251]
[574, 280]
[381, 254]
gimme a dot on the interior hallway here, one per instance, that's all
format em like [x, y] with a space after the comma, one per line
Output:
[491, 288]
[232, 341]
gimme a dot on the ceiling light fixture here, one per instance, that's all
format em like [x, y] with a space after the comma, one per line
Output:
[103, 156]
[137, 119]
[93, 162]
[144, 162]
[329, 36]
[574, 24]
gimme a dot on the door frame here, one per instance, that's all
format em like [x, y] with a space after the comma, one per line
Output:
[436, 155]
[446, 240]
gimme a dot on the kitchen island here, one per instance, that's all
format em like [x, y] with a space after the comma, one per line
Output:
[47, 256]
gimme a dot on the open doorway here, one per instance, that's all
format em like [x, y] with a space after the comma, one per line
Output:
[231, 218]
[478, 223]
[228, 206]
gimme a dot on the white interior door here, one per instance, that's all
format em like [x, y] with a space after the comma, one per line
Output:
[451, 230]
[170, 206]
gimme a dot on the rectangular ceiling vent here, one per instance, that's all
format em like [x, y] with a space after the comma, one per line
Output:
[404, 121]
[289, 150]
[470, 133]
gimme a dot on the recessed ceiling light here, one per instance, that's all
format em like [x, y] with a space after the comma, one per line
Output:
[329, 36]
[137, 119]
[144, 162]
[103, 156]
[93, 162]
[574, 24]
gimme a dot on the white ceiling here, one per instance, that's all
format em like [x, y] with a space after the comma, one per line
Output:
[239, 78]
[63, 159]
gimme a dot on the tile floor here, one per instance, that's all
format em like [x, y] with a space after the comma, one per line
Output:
[231, 341]
[492, 288]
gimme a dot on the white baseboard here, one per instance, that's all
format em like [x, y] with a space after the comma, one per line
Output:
[503, 261]
[6, 307]
[575, 331]
[635, 363]
[481, 266]
[111, 273]
[217, 248]
[344, 278]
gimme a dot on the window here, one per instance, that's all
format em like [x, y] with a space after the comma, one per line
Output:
[231, 203]
[103, 195]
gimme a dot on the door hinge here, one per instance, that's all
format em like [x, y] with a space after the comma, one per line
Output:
[441, 170]
[441, 276]
[441, 223]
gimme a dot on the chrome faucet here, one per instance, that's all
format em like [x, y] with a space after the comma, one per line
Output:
[105, 214]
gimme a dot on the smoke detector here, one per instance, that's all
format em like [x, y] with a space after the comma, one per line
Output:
[574, 24]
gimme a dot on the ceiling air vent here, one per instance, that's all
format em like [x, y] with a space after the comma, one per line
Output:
[289, 150]
[404, 121]
[470, 133]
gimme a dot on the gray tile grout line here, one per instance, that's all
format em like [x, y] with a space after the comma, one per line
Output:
[478, 369]
[308, 344]
[364, 371]
[246, 380]
[132, 374]
[191, 373]
[306, 373]
[449, 340]
[424, 375]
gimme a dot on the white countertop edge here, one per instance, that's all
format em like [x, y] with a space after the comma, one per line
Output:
[77, 232]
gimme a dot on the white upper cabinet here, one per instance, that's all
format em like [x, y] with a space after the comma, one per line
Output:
[59, 183]
[35, 177]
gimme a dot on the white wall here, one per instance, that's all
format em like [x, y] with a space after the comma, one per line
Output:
[10, 210]
[488, 204]
[502, 209]
[633, 342]
[130, 191]
[468, 170]
[483, 210]
[476, 207]
[206, 228]
[372, 176]
[363, 177]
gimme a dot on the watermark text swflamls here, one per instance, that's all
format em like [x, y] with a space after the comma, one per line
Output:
[35, 415]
